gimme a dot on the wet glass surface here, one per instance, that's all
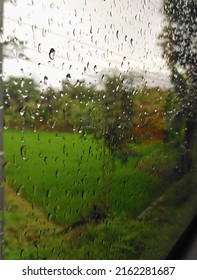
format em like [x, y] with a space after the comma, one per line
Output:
[100, 132]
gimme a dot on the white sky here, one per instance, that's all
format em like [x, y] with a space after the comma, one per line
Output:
[88, 36]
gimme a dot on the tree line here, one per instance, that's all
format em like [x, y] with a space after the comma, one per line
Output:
[105, 113]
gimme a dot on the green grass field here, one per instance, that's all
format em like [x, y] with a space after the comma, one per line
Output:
[51, 180]
[61, 173]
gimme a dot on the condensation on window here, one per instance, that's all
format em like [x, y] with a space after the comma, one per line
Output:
[100, 134]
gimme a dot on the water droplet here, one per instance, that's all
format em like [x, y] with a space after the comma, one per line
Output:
[45, 80]
[117, 34]
[68, 76]
[36, 244]
[57, 173]
[6, 164]
[14, 159]
[18, 191]
[83, 194]
[31, 3]
[77, 83]
[23, 152]
[39, 47]
[44, 32]
[50, 21]
[34, 188]
[34, 27]
[38, 104]
[64, 149]
[14, 2]
[22, 112]
[20, 21]
[49, 193]
[21, 253]
[16, 41]
[67, 192]
[52, 54]
[49, 217]
[46, 160]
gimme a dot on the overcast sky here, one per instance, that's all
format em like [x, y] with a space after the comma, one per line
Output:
[87, 37]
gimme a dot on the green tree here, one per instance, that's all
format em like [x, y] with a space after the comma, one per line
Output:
[26, 106]
[104, 113]
[179, 41]
[49, 108]
[113, 119]
[116, 111]
[107, 115]
[78, 105]
[20, 101]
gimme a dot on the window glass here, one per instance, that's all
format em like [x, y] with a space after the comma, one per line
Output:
[100, 127]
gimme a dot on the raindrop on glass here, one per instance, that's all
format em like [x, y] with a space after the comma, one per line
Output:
[50, 21]
[57, 173]
[45, 80]
[14, 2]
[23, 152]
[39, 47]
[22, 253]
[68, 76]
[44, 32]
[46, 160]
[117, 34]
[49, 217]
[52, 54]
[18, 191]
[20, 21]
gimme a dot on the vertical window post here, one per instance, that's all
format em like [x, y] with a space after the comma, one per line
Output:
[1, 138]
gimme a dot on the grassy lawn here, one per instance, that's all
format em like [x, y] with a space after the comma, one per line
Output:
[29, 235]
[51, 180]
[27, 229]
[61, 173]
